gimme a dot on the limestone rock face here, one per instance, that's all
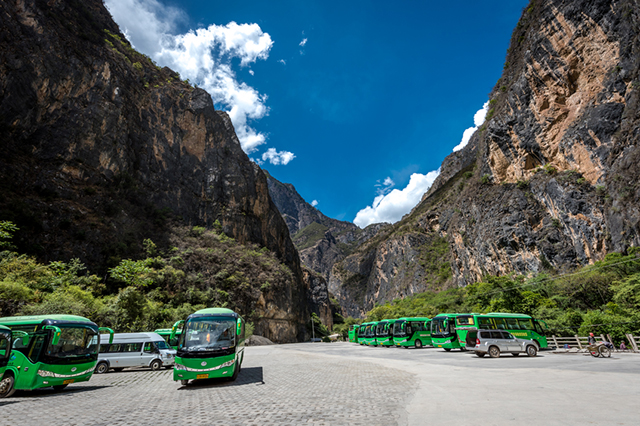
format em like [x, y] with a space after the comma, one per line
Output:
[549, 180]
[100, 145]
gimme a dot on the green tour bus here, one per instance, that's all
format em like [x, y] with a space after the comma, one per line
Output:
[370, 334]
[7, 380]
[353, 333]
[362, 333]
[414, 331]
[443, 332]
[55, 351]
[520, 325]
[211, 345]
[384, 333]
[166, 335]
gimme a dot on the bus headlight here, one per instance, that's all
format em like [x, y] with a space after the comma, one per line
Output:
[180, 367]
[227, 364]
[45, 373]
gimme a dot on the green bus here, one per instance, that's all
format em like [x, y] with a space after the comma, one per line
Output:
[520, 325]
[7, 380]
[384, 333]
[362, 330]
[370, 334]
[443, 332]
[211, 345]
[166, 335]
[413, 331]
[353, 333]
[56, 351]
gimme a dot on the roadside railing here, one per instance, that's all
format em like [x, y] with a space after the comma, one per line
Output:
[577, 343]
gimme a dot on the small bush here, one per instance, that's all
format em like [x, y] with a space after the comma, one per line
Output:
[556, 223]
[138, 66]
[522, 184]
[486, 179]
[581, 180]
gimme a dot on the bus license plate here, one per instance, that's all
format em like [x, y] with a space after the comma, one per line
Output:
[202, 376]
[67, 382]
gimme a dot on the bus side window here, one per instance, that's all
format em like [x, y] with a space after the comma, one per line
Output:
[500, 324]
[34, 353]
[104, 348]
[525, 324]
[485, 323]
[512, 324]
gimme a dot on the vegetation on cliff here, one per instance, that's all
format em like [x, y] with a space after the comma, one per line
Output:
[600, 298]
[201, 268]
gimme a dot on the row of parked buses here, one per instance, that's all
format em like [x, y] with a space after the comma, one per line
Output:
[57, 350]
[446, 331]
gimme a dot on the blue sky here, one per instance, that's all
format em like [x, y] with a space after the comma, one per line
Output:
[352, 102]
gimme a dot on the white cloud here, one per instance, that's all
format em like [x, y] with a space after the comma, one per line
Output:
[385, 186]
[314, 203]
[282, 61]
[478, 119]
[278, 158]
[251, 72]
[392, 206]
[303, 42]
[204, 56]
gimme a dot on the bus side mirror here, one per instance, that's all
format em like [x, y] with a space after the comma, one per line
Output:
[239, 328]
[21, 334]
[110, 331]
[56, 333]
[174, 329]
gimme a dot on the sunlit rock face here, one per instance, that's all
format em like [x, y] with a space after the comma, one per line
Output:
[551, 179]
[100, 147]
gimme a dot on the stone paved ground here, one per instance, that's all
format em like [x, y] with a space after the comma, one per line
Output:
[277, 385]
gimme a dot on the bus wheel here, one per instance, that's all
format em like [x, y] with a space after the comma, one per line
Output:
[59, 387]
[235, 373]
[184, 382]
[494, 352]
[418, 343]
[447, 349]
[102, 368]
[156, 365]
[6, 386]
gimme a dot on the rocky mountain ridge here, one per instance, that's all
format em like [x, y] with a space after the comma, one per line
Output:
[549, 181]
[102, 148]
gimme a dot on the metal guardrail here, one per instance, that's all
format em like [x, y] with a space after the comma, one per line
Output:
[580, 343]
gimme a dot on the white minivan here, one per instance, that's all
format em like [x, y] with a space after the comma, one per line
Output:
[134, 350]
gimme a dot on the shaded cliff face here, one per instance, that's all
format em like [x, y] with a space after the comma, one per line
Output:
[100, 147]
[549, 181]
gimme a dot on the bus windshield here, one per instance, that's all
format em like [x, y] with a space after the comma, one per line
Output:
[76, 344]
[440, 329]
[399, 329]
[209, 334]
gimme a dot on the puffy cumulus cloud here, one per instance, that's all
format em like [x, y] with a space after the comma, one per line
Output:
[278, 158]
[282, 61]
[314, 203]
[204, 56]
[303, 42]
[398, 202]
[478, 119]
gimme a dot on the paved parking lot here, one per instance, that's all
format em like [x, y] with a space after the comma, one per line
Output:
[346, 384]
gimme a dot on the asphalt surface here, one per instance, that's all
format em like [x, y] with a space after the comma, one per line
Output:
[348, 384]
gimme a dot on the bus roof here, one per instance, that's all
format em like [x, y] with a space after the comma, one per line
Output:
[413, 319]
[132, 337]
[38, 319]
[162, 331]
[444, 314]
[506, 315]
[215, 311]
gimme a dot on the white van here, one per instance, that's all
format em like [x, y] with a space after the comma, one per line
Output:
[134, 350]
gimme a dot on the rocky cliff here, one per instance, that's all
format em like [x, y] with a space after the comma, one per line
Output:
[100, 147]
[550, 181]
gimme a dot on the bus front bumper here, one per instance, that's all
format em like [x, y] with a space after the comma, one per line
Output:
[182, 372]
